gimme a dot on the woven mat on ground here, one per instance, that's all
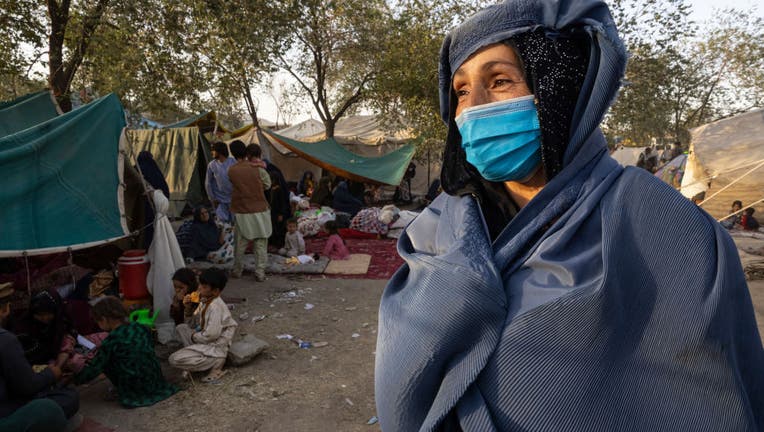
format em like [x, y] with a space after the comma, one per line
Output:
[384, 256]
[276, 265]
[356, 264]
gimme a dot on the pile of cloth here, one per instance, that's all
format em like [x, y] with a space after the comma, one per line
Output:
[310, 221]
[375, 220]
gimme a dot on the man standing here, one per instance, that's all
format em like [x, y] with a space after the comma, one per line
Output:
[28, 401]
[251, 210]
[217, 183]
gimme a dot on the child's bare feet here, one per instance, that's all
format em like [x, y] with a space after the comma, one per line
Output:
[214, 375]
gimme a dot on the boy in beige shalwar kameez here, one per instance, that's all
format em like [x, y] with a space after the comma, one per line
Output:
[208, 334]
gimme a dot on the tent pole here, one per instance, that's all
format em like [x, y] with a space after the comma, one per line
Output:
[29, 276]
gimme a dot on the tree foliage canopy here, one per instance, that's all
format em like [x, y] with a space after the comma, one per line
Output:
[167, 59]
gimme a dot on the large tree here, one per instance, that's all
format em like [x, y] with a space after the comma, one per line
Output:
[238, 42]
[70, 33]
[678, 77]
[336, 46]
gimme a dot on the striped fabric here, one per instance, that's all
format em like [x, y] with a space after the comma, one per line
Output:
[608, 303]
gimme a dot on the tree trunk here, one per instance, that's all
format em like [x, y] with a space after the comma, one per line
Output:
[329, 126]
[61, 72]
[59, 17]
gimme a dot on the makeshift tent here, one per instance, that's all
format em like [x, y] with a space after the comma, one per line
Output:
[673, 171]
[627, 156]
[63, 182]
[730, 154]
[290, 164]
[25, 112]
[364, 136]
[206, 122]
[182, 155]
[330, 155]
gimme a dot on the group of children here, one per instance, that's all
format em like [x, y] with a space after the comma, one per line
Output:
[294, 244]
[127, 357]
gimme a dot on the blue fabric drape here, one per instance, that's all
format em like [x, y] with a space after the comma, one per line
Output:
[609, 302]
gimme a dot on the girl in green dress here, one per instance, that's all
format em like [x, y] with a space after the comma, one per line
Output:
[126, 357]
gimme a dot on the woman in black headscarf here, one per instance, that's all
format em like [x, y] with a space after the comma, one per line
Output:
[205, 236]
[151, 173]
[280, 208]
[44, 327]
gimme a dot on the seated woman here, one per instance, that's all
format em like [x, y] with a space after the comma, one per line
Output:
[49, 337]
[207, 241]
[323, 193]
[306, 186]
[344, 201]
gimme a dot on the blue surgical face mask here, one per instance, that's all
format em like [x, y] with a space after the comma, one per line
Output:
[502, 139]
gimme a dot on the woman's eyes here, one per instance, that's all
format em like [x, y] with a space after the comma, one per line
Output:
[498, 83]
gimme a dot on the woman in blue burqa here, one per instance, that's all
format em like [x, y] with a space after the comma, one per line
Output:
[549, 288]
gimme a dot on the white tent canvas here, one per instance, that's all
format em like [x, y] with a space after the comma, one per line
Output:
[730, 152]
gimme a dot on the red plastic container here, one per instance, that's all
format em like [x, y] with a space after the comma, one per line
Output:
[133, 270]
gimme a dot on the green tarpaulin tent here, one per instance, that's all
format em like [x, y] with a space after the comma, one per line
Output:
[331, 156]
[182, 155]
[63, 182]
[25, 112]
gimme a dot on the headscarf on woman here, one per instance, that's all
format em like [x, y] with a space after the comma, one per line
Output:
[323, 193]
[583, 310]
[344, 201]
[42, 340]
[148, 167]
[306, 183]
[205, 236]
[281, 210]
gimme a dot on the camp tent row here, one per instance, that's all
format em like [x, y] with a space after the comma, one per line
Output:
[25, 112]
[361, 136]
[729, 154]
[67, 184]
[725, 161]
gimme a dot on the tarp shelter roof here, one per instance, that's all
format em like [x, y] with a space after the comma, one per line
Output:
[181, 155]
[25, 112]
[208, 120]
[244, 129]
[63, 184]
[205, 121]
[361, 129]
[331, 156]
[291, 165]
[727, 150]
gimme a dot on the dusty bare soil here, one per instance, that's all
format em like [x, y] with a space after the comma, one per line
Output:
[286, 388]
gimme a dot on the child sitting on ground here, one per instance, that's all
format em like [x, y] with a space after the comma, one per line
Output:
[126, 357]
[208, 334]
[749, 222]
[335, 246]
[294, 244]
[184, 282]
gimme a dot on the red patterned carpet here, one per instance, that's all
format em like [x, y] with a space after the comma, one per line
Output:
[384, 256]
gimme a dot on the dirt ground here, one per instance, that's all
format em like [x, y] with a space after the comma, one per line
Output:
[330, 388]
[285, 389]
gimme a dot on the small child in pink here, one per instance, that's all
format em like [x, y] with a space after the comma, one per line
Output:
[335, 247]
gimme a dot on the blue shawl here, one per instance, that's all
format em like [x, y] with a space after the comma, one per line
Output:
[609, 302]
